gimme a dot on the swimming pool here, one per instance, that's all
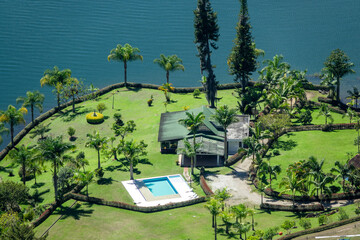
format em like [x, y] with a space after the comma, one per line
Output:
[160, 186]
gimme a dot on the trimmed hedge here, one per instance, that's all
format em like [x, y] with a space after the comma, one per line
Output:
[90, 118]
[100, 201]
[295, 208]
[320, 229]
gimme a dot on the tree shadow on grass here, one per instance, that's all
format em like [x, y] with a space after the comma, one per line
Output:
[105, 181]
[75, 212]
[68, 116]
[37, 196]
[222, 231]
[145, 161]
[38, 185]
[286, 145]
[116, 168]
[133, 89]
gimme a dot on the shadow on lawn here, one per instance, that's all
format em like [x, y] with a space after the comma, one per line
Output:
[105, 181]
[76, 212]
[36, 196]
[69, 115]
[38, 185]
[286, 145]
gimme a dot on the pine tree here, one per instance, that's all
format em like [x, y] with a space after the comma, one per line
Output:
[242, 59]
[206, 36]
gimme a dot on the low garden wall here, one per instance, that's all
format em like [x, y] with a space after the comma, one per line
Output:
[320, 228]
[293, 208]
[100, 201]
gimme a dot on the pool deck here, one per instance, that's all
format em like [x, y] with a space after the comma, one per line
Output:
[142, 196]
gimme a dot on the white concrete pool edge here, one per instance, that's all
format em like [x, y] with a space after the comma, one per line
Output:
[179, 184]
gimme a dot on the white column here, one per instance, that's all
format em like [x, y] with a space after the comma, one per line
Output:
[218, 160]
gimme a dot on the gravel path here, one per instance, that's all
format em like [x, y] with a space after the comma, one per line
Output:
[238, 185]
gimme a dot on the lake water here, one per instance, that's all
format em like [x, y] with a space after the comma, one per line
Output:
[36, 35]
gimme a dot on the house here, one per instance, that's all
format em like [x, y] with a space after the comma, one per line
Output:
[210, 134]
[355, 161]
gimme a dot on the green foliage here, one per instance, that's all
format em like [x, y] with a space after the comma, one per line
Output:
[21, 231]
[342, 215]
[29, 215]
[305, 117]
[242, 59]
[101, 107]
[65, 179]
[33, 100]
[124, 130]
[13, 117]
[275, 122]
[12, 194]
[287, 225]
[169, 64]
[276, 152]
[96, 142]
[71, 131]
[305, 223]
[196, 93]
[323, 219]
[118, 119]
[357, 211]
[6, 220]
[125, 54]
[270, 233]
[338, 65]
[40, 130]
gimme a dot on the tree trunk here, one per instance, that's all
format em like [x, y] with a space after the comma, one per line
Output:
[24, 173]
[225, 146]
[270, 179]
[252, 222]
[338, 89]
[87, 190]
[55, 181]
[12, 133]
[73, 103]
[125, 75]
[113, 101]
[115, 155]
[99, 166]
[194, 166]
[35, 177]
[167, 76]
[215, 229]
[32, 113]
[131, 170]
[213, 221]
[58, 99]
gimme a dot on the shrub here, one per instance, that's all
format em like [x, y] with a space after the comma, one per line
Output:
[71, 131]
[101, 107]
[323, 219]
[276, 152]
[12, 194]
[305, 223]
[118, 121]
[357, 211]
[29, 215]
[150, 101]
[326, 128]
[99, 172]
[287, 225]
[94, 118]
[305, 117]
[196, 93]
[342, 214]
[270, 233]
[65, 179]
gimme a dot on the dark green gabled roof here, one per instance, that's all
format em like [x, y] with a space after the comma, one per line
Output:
[212, 145]
[170, 129]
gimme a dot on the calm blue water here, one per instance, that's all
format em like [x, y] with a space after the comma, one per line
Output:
[38, 34]
[160, 186]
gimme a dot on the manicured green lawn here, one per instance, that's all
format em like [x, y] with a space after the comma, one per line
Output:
[331, 146]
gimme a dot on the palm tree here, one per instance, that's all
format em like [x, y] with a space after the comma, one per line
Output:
[320, 184]
[53, 150]
[192, 123]
[251, 212]
[13, 117]
[350, 114]
[97, 142]
[214, 207]
[33, 100]
[23, 156]
[355, 95]
[271, 170]
[3, 130]
[240, 212]
[324, 110]
[292, 184]
[36, 166]
[57, 79]
[225, 117]
[125, 54]
[132, 152]
[339, 65]
[274, 70]
[254, 146]
[242, 228]
[84, 178]
[169, 64]
[343, 171]
[227, 215]
[189, 150]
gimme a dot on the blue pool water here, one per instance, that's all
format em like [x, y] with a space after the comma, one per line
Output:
[160, 186]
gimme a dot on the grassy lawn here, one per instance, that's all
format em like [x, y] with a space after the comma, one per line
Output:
[331, 146]
[132, 104]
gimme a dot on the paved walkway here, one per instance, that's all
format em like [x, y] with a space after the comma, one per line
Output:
[238, 185]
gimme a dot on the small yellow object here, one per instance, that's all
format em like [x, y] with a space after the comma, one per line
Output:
[94, 118]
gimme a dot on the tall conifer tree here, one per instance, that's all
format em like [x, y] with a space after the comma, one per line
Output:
[242, 59]
[206, 36]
